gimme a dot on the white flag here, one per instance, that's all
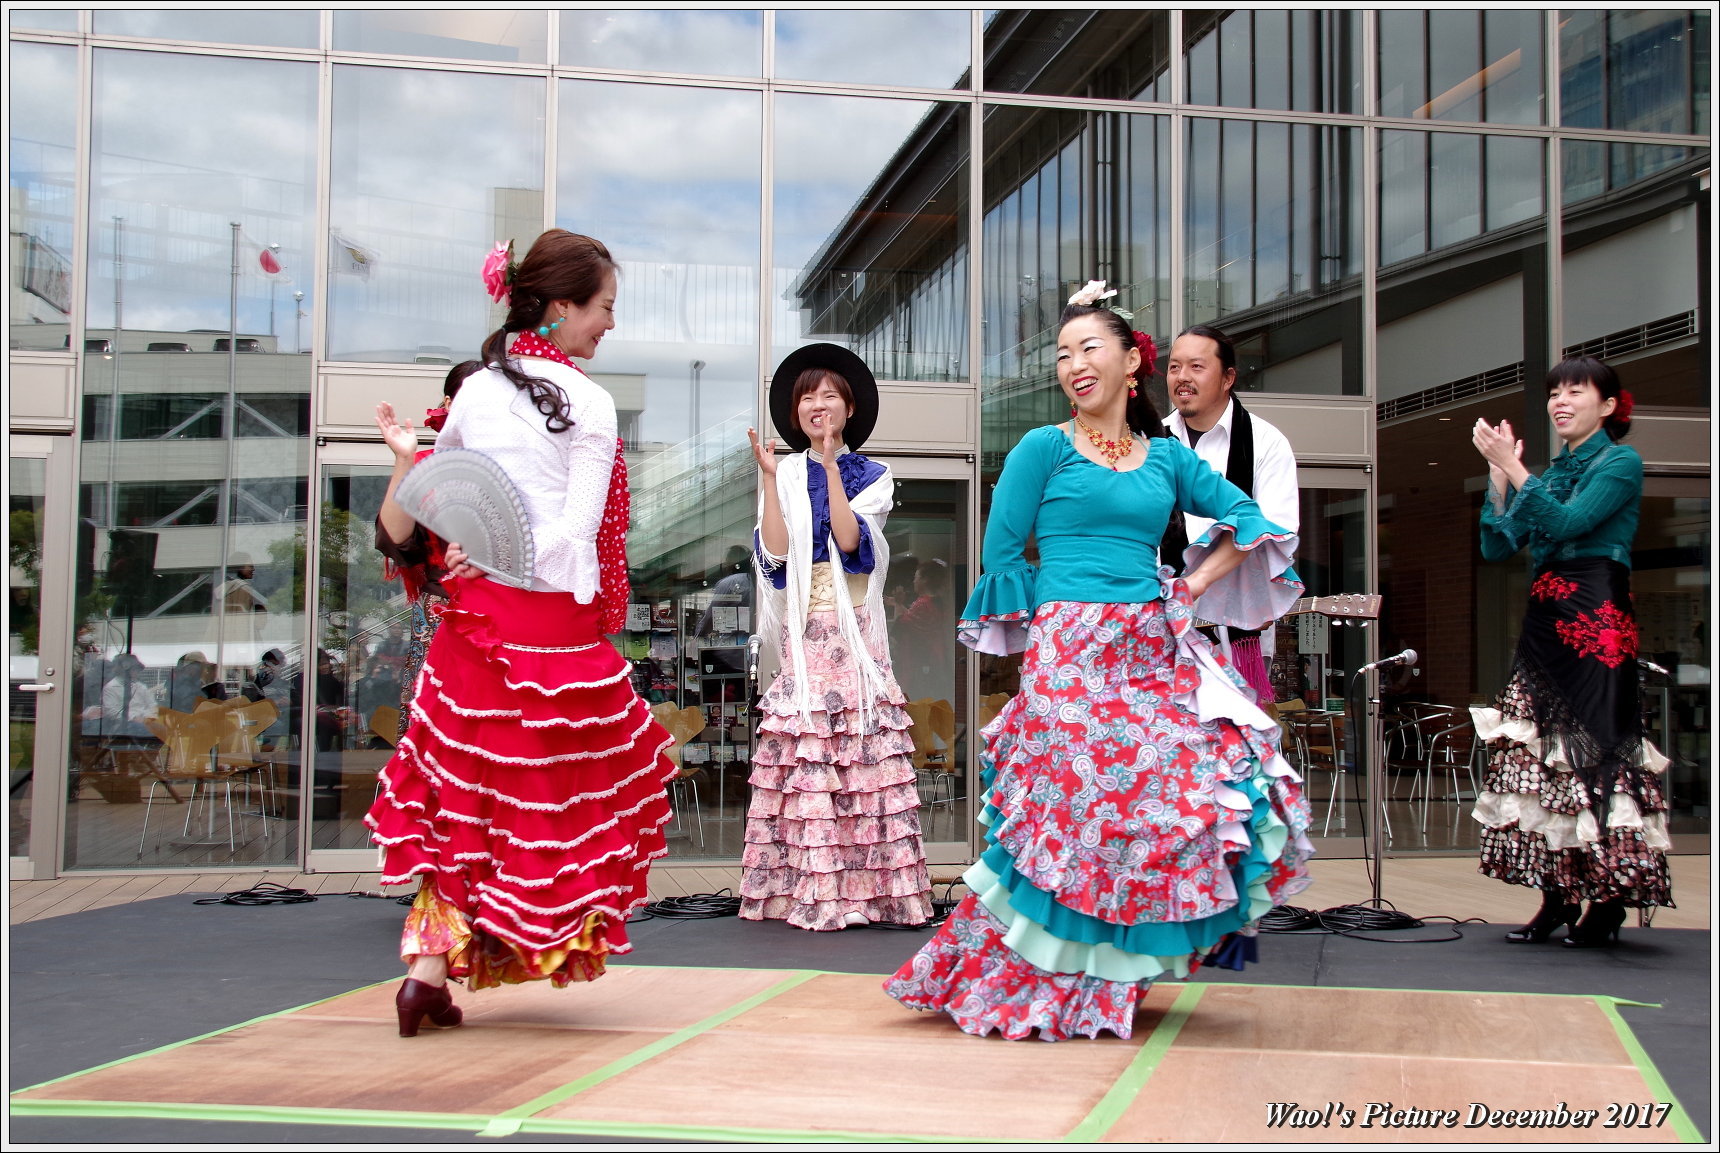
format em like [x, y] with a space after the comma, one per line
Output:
[348, 257]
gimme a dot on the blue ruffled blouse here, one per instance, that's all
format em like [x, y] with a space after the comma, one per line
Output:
[1098, 531]
[857, 473]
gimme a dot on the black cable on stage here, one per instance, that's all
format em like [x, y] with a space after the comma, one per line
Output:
[696, 907]
[263, 893]
[1356, 921]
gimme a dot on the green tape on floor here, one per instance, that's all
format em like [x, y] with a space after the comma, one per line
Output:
[639, 1056]
[1110, 1108]
[1657, 1086]
[172, 1045]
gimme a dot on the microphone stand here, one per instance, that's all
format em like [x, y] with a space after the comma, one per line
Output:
[1367, 745]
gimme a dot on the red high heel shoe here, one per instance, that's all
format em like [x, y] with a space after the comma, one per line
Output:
[417, 1002]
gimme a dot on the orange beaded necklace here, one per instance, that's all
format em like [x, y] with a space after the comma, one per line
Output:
[1112, 450]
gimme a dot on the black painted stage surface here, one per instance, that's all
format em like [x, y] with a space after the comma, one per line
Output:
[92, 987]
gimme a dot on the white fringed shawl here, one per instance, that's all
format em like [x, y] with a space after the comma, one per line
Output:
[871, 505]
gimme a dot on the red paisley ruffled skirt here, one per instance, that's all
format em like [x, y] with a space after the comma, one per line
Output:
[528, 791]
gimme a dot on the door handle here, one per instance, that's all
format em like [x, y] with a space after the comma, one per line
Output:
[41, 688]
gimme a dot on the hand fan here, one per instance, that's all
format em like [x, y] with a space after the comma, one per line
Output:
[462, 495]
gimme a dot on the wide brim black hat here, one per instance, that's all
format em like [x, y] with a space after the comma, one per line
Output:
[843, 363]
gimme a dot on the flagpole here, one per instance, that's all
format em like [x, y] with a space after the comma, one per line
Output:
[230, 418]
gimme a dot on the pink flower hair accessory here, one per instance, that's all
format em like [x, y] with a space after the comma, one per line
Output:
[498, 272]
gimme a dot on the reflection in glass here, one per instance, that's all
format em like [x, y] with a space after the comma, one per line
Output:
[668, 178]
[277, 28]
[1305, 61]
[1642, 71]
[1096, 53]
[362, 621]
[44, 19]
[915, 48]
[429, 171]
[41, 175]
[1671, 586]
[1072, 197]
[1632, 279]
[1275, 250]
[507, 35]
[1438, 189]
[1462, 328]
[191, 552]
[870, 242]
[1450, 64]
[712, 42]
[1314, 658]
[928, 578]
[25, 498]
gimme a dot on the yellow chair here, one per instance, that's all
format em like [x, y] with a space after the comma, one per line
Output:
[191, 755]
[683, 724]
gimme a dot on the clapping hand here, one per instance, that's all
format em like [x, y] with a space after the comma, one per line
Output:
[764, 453]
[1499, 447]
[396, 433]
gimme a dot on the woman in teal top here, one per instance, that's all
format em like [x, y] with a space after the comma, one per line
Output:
[1139, 816]
[1573, 804]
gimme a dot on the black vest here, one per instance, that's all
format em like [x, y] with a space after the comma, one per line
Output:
[1238, 470]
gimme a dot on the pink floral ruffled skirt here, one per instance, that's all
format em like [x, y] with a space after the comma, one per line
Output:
[833, 827]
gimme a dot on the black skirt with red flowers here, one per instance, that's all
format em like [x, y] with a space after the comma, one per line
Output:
[1573, 799]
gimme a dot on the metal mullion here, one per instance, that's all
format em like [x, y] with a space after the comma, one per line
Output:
[313, 467]
[1370, 207]
[767, 208]
[551, 147]
[433, 63]
[1177, 125]
[197, 48]
[679, 79]
[1553, 193]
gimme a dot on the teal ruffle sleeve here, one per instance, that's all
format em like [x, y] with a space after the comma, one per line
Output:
[997, 614]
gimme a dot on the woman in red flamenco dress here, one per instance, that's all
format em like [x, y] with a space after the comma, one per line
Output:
[528, 791]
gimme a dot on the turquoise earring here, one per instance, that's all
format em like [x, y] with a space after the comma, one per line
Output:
[546, 329]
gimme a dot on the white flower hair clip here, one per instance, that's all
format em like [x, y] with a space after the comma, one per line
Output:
[1095, 291]
[1090, 295]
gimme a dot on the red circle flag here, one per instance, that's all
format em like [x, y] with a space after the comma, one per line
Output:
[268, 261]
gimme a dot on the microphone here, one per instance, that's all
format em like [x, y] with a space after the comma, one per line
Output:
[1407, 657]
[753, 643]
[1654, 668]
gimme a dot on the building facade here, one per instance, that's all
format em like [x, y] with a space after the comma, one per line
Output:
[233, 233]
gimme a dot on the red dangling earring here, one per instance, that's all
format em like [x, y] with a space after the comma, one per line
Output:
[1131, 392]
[1071, 410]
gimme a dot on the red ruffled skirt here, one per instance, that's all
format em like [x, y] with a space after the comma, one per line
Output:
[528, 790]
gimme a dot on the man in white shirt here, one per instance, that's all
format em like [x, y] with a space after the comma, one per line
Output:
[1200, 376]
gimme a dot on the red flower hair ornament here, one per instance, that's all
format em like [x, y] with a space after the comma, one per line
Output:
[1149, 354]
[1626, 402]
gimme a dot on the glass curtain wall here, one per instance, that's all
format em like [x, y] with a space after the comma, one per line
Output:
[42, 187]
[668, 178]
[762, 194]
[193, 511]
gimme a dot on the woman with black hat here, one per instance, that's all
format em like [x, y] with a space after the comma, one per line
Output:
[833, 830]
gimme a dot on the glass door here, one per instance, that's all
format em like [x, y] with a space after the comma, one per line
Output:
[362, 627]
[37, 650]
[1314, 659]
[930, 535]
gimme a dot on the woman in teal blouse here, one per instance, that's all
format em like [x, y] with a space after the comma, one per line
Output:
[1139, 816]
[1573, 804]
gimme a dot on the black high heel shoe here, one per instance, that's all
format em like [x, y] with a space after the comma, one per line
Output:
[1599, 927]
[417, 1002]
[1555, 911]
